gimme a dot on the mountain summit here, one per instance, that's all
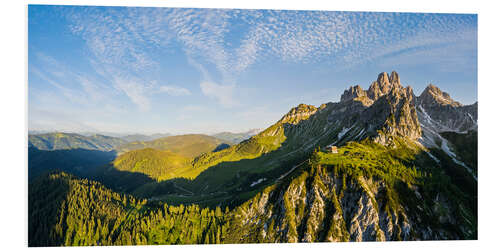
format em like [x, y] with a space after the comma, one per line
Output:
[438, 112]
[388, 109]
[432, 95]
[383, 85]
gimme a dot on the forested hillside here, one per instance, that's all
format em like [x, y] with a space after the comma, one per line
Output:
[66, 211]
[81, 162]
[365, 192]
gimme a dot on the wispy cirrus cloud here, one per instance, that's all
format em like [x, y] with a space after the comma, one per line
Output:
[70, 94]
[72, 83]
[174, 90]
[122, 41]
[125, 58]
[349, 38]
[222, 93]
[136, 91]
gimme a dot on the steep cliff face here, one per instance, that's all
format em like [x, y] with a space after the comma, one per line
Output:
[352, 93]
[389, 109]
[385, 110]
[439, 112]
[394, 114]
[327, 200]
[320, 208]
[383, 85]
[347, 200]
[432, 96]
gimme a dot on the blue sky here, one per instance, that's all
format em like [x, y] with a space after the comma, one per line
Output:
[148, 70]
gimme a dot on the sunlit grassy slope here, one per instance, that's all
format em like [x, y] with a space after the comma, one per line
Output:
[189, 146]
[157, 164]
[243, 168]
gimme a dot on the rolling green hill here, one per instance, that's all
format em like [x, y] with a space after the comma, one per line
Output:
[154, 163]
[190, 145]
[165, 158]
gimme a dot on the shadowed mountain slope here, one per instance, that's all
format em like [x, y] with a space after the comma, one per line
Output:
[56, 141]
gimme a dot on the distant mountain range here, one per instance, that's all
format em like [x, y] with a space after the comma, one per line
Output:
[142, 137]
[189, 145]
[235, 138]
[80, 154]
[405, 169]
[58, 141]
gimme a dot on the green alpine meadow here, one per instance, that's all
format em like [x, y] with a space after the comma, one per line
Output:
[158, 126]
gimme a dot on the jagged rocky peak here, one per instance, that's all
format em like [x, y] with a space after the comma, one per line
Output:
[439, 112]
[432, 95]
[383, 78]
[394, 114]
[296, 114]
[352, 93]
[394, 79]
[383, 85]
[400, 92]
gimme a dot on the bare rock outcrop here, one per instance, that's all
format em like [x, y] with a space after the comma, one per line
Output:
[440, 113]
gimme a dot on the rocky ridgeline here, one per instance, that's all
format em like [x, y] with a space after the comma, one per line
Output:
[385, 110]
[299, 113]
[352, 93]
[381, 87]
[390, 108]
[433, 96]
[400, 117]
[439, 112]
[393, 110]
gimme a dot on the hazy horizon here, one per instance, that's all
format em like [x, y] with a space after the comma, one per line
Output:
[170, 70]
[119, 134]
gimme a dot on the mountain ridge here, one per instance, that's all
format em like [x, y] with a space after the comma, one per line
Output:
[59, 140]
[305, 127]
[235, 138]
[401, 173]
[188, 145]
